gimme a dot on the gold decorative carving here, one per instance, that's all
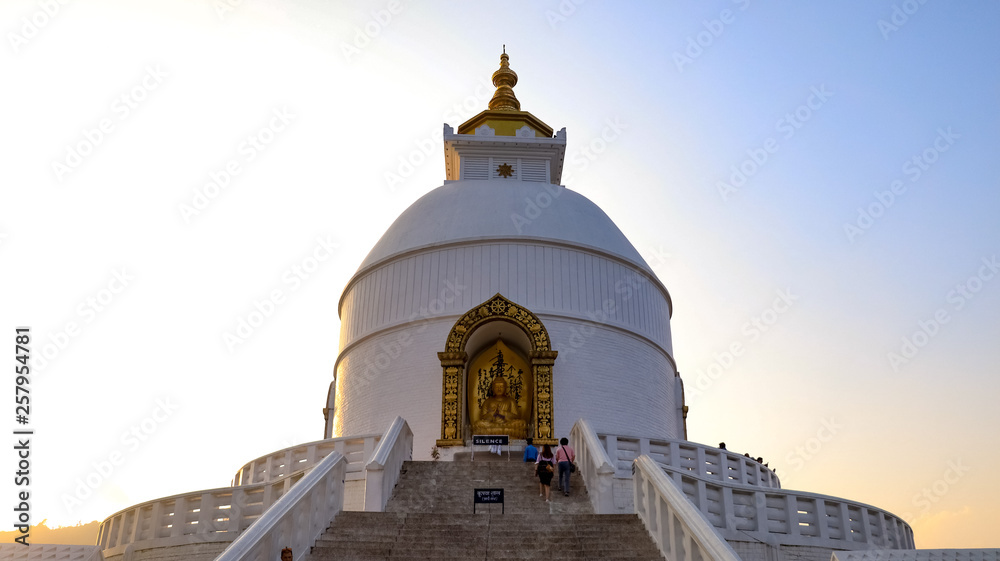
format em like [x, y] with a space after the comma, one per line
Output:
[497, 307]
[451, 364]
[505, 170]
[453, 361]
[500, 392]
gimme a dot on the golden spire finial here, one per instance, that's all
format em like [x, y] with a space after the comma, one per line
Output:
[504, 79]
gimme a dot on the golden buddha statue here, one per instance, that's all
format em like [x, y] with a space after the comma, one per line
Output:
[499, 413]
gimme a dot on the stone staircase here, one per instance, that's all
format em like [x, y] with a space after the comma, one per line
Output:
[430, 517]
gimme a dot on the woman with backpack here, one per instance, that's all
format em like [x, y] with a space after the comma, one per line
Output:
[544, 468]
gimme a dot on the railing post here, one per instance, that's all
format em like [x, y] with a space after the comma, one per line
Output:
[180, 513]
[374, 476]
[822, 525]
[845, 521]
[236, 510]
[611, 442]
[791, 515]
[866, 525]
[760, 505]
[728, 508]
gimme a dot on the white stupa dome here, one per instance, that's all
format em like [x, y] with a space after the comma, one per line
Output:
[481, 209]
[503, 259]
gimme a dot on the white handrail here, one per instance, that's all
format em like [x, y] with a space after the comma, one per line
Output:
[220, 514]
[209, 515]
[678, 528]
[742, 512]
[297, 519]
[382, 472]
[284, 462]
[706, 461]
[595, 467]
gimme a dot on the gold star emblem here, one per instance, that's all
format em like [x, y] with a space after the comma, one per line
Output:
[505, 170]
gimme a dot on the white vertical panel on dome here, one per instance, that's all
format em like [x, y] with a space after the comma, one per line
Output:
[542, 278]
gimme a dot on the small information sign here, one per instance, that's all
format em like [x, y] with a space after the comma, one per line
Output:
[490, 440]
[487, 496]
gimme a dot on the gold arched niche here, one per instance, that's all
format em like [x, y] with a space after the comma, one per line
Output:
[541, 359]
[498, 361]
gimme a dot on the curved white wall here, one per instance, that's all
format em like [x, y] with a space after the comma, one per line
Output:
[543, 277]
[608, 319]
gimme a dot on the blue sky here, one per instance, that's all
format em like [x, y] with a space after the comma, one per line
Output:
[342, 93]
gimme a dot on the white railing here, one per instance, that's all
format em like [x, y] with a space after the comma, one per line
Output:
[382, 472]
[705, 461]
[753, 513]
[219, 515]
[212, 515]
[595, 467]
[680, 531]
[49, 552]
[274, 466]
[918, 555]
[297, 519]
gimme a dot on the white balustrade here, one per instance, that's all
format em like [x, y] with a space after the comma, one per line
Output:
[382, 472]
[918, 555]
[297, 519]
[356, 449]
[679, 529]
[595, 467]
[751, 512]
[220, 515]
[702, 460]
[212, 515]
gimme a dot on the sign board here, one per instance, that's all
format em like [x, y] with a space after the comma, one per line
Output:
[487, 496]
[490, 440]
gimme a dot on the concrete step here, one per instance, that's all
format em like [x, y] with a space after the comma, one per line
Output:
[447, 487]
[430, 517]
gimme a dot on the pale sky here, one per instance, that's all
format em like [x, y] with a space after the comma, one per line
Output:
[167, 166]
